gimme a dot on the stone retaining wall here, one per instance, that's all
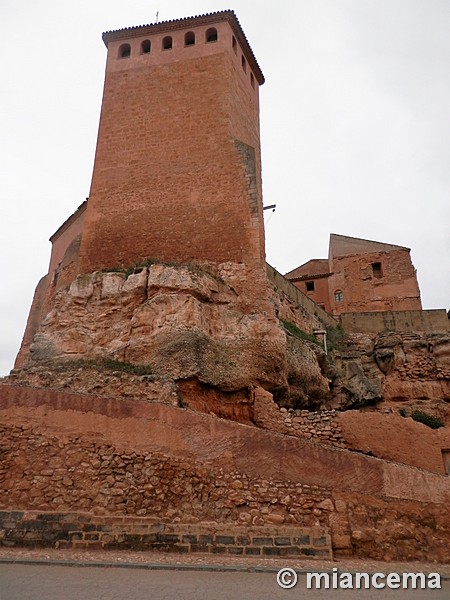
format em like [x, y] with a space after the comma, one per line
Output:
[47, 472]
[318, 426]
[130, 460]
[412, 321]
[296, 305]
[89, 531]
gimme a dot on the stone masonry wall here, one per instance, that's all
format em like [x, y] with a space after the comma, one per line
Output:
[408, 321]
[395, 288]
[74, 493]
[85, 530]
[128, 459]
[159, 126]
[384, 434]
[45, 472]
[293, 304]
[318, 426]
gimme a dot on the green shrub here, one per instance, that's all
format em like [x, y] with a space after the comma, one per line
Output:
[110, 364]
[298, 333]
[126, 367]
[336, 336]
[136, 266]
[402, 412]
[148, 262]
[426, 419]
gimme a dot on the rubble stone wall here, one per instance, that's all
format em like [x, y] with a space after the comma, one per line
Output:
[317, 426]
[181, 467]
[385, 434]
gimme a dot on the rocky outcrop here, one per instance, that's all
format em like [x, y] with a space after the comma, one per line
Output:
[187, 324]
[205, 336]
[392, 370]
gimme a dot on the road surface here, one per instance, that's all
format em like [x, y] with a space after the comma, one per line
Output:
[55, 582]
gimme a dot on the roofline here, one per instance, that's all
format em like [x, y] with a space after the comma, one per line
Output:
[306, 263]
[349, 237]
[303, 277]
[206, 19]
[73, 217]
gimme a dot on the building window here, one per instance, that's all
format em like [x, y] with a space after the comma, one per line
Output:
[189, 38]
[56, 274]
[309, 286]
[244, 64]
[125, 51]
[339, 296]
[234, 44]
[211, 35]
[376, 270]
[146, 47]
[446, 458]
[252, 80]
[167, 43]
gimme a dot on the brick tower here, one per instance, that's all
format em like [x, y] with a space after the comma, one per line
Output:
[177, 173]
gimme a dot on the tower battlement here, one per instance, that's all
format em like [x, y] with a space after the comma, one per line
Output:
[181, 39]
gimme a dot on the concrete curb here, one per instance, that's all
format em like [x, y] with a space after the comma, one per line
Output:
[170, 566]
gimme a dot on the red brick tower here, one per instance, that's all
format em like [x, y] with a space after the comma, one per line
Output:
[177, 173]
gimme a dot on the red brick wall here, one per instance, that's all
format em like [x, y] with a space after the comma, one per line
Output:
[34, 319]
[320, 294]
[396, 289]
[177, 168]
[65, 237]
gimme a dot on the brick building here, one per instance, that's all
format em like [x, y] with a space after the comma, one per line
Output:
[177, 171]
[360, 276]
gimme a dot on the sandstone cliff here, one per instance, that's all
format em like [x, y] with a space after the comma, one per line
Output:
[193, 331]
[392, 371]
[199, 337]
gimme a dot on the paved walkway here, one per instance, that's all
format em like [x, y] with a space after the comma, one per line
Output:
[198, 561]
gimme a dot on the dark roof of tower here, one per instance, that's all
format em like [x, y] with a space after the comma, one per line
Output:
[206, 19]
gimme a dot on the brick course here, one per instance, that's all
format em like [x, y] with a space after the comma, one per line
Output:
[90, 531]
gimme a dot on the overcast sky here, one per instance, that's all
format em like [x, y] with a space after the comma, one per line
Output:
[355, 128]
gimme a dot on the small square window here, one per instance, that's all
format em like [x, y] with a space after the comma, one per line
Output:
[310, 286]
[376, 270]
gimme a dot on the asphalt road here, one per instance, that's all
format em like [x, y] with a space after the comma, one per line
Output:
[55, 582]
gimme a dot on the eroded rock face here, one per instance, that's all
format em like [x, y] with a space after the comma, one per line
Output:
[187, 324]
[219, 328]
[391, 368]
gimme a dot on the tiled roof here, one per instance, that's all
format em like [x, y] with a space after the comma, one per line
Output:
[206, 19]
